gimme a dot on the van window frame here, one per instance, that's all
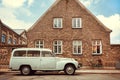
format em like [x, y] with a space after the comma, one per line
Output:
[19, 51]
[48, 51]
[32, 56]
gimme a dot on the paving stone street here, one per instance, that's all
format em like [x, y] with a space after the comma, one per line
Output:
[59, 76]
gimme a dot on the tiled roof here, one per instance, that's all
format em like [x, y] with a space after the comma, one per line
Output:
[17, 31]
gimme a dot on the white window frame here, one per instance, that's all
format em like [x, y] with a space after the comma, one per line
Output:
[75, 23]
[56, 21]
[77, 43]
[96, 44]
[61, 45]
[39, 44]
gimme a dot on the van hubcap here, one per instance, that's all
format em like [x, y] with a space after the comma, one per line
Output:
[69, 70]
[26, 70]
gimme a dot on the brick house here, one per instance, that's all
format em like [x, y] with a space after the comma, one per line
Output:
[71, 30]
[9, 39]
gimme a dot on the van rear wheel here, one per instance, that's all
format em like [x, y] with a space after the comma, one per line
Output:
[25, 70]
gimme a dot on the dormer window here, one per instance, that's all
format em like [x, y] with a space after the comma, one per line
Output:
[76, 23]
[57, 23]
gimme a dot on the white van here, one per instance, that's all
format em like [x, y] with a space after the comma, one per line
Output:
[30, 60]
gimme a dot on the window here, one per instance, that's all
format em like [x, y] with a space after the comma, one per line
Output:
[14, 41]
[10, 40]
[19, 54]
[57, 47]
[46, 54]
[77, 47]
[76, 23]
[96, 47]
[39, 44]
[3, 38]
[57, 23]
[33, 53]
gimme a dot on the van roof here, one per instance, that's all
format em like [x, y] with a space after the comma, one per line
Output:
[41, 49]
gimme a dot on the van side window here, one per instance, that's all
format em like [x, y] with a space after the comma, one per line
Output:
[33, 54]
[46, 54]
[19, 54]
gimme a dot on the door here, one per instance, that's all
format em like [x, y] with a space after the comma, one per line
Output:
[47, 61]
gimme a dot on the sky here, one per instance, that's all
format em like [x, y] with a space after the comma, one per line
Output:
[22, 14]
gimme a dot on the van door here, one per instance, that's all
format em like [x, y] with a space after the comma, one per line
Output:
[47, 61]
[33, 58]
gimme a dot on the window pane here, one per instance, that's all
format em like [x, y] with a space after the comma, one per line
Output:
[59, 49]
[79, 49]
[59, 42]
[55, 42]
[33, 54]
[77, 46]
[78, 22]
[39, 44]
[57, 22]
[46, 54]
[10, 40]
[96, 46]
[94, 49]
[75, 49]
[19, 53]
[55, 49]
[98, 49]
[74, 22]
[3, 38]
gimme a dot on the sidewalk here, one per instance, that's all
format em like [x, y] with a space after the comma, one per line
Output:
[99, 71]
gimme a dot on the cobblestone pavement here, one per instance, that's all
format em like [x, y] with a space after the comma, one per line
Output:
[58, 76]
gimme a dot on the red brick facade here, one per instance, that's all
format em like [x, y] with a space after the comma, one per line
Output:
[92, 29]
[9, 40]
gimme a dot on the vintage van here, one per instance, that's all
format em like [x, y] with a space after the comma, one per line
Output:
[30, 60]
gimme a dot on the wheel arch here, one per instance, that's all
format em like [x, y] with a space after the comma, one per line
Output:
[69, 64]
[25, 65]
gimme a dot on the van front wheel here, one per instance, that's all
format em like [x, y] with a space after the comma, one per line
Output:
[69, 69]
[25, 70]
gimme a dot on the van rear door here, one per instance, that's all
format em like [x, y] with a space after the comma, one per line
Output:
[47, 61]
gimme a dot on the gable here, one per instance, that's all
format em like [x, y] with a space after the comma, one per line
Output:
[55, 6]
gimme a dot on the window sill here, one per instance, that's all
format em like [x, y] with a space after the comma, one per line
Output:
[58, 53]
[77, 54]
[77, 28]
[57, 27]
[97, 54]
